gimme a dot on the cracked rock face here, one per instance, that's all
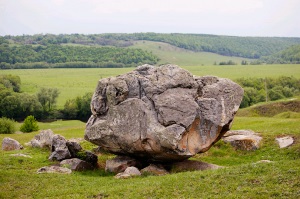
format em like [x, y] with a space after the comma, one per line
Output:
[161, 113]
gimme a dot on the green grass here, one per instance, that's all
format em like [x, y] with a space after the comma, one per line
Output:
[241, 177]
[75, 82]
[174, 55]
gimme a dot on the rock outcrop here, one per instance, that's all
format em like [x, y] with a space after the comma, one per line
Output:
[161, 113]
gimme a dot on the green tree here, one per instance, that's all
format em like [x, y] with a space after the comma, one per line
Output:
[47, 97]
[30, 124]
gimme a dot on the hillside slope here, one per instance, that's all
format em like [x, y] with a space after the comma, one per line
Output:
[179, 56]
[286, 109]
[290, 55]
[248, 47]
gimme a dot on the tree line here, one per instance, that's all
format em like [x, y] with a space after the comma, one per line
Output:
[290, 55]
[268, 89]
[17, 105]
[65, 56]
[248, 47]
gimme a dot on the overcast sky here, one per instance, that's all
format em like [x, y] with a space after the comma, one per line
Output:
[221, 17]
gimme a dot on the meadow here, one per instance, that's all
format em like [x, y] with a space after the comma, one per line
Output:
[241, 177]
[76, 82]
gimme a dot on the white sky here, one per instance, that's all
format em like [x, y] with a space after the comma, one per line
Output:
[221, 17]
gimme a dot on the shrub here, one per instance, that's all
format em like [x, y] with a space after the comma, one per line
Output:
[29, 125]
[7, 126]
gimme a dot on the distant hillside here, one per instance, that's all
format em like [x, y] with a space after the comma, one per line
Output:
[247, 47]
[182, 57]
[67, 56]
[286, 56]
[287, 108]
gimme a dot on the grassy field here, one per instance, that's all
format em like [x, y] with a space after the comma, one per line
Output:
[172, 54]
[75, 82]
[242, 177]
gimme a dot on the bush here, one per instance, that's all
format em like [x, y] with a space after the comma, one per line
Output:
[7, 126]
[29, 125]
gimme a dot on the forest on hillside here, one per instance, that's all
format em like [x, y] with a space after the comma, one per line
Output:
[110, 50]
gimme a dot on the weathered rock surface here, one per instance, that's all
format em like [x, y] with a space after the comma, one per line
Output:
[120, 164]
[76, 164]
[43, 139]
[129, 172]
[155, 170]
[193, 165]
[59, 148]
[246, 140]
[285, 141]
[161, 113]
[9, 144]
[54, 169]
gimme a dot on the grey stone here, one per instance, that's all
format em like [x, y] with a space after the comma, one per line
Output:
[161, 113]
[43, 139]
[74, 148]
[285, 141]
[119, 164]
[54, 169]
[20, 155]
[9, 144]
[88, 157]
[76, 164]
[128, 173]
[59, 149]
[154, 170]
[246, 140]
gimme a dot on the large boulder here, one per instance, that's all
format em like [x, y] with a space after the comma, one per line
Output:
[161, 113]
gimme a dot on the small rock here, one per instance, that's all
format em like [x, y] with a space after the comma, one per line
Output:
[155, 170]
[9, 144]
[21, 155]
[285, 141]
[59, 149]
[129, 172]
[73, 147]
[119, 164]
[246, 140]
[43, 139]
[264, 161]
[54, 169]
[76, 164]
[192, 165]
